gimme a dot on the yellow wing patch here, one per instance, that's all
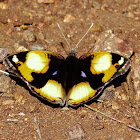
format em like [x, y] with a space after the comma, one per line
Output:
[52, 91]
[80, 93]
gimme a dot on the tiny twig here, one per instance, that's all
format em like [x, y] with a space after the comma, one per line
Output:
[9, 73]
[130, 126]
[38, 130]
[4, 72]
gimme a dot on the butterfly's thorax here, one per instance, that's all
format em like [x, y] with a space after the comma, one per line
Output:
[72, 71]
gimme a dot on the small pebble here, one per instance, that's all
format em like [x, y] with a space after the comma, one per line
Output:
[18, 29]
[115, 105]
[107, 95]
[18, 97]
[3, 6]
[12, 120]
[5, 86]
[104, 7]
[69, 18]
[97, 28]
[69, 36]
[3, 53]
[19, 48]
[24, 27]
[32, 108]
[37, 47]
[8, 102]
[29, 36]
[40, 36]
[8, 99]
[96, 5]
[76, 132]
[46, 1]
[99, 127]
[21, 114]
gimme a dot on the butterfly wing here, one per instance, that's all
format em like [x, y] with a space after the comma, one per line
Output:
[96, 71]
[42, 71]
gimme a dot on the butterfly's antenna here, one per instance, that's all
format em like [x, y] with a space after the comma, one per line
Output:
[63, 35]
[83, 36]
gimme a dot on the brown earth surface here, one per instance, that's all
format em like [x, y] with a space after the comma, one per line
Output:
[24, 23]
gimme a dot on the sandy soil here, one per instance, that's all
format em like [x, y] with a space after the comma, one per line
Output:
[25, 23]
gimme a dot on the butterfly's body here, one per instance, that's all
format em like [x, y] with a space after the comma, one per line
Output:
[70, 80]
[72, 71]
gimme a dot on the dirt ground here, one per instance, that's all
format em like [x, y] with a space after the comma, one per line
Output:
[24, 23]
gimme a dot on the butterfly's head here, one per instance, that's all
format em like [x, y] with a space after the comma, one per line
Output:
[73, 52]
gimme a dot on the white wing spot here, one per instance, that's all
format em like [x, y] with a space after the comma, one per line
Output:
[15, 59]
[121, 61]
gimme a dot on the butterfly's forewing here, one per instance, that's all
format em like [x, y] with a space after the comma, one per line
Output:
[42, 71]
[96, 70]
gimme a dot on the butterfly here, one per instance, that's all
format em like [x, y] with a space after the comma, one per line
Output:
[70, 80]
[66, 81]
